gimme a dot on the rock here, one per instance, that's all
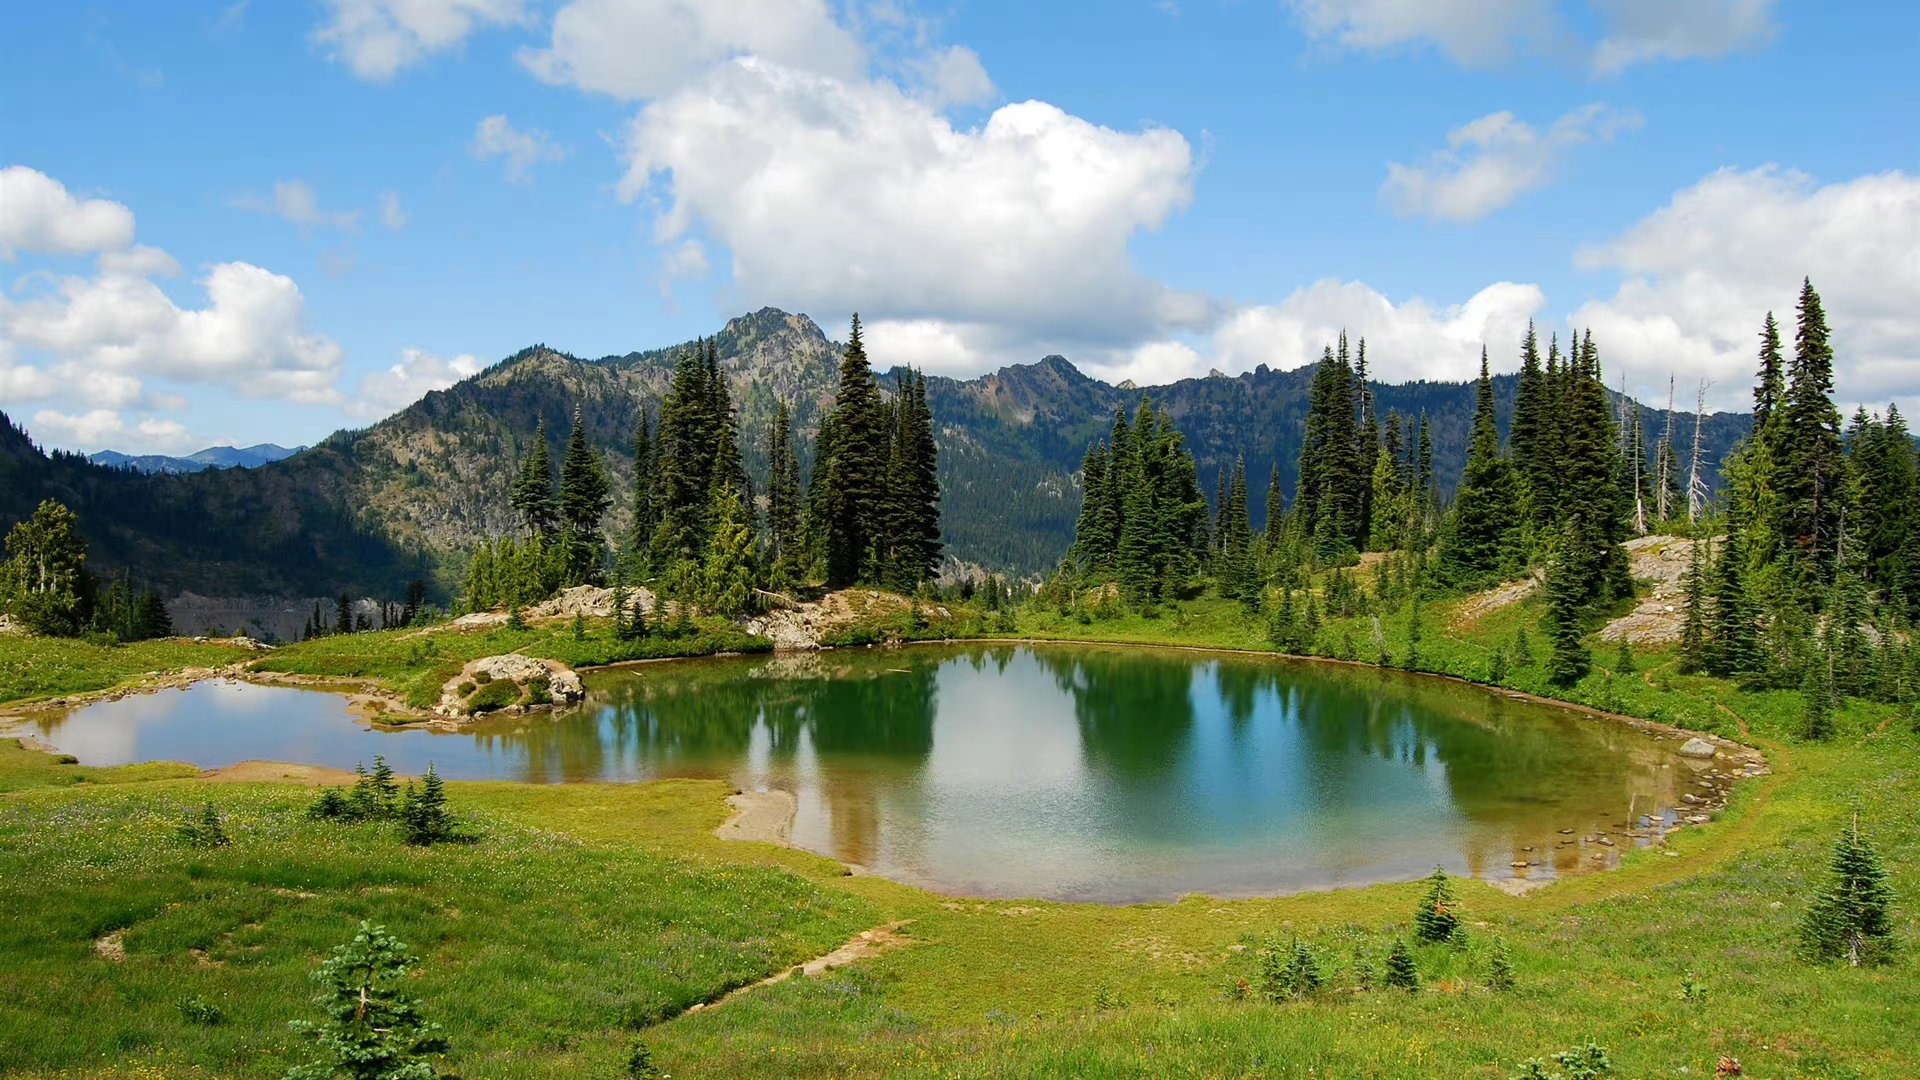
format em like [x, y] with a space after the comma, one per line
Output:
[510, 682]
[1697, 748]
[479, 620]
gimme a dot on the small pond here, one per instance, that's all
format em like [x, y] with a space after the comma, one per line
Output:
[1064, 772]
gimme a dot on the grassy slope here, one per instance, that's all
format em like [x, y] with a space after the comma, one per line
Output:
[989, 989]
[39, 667]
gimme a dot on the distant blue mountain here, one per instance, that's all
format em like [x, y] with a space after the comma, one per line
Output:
[213, 457]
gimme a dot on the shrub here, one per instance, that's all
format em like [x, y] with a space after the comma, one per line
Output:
[540, 691]
[1586, 1062]
[494, 695]
[466, 687]
[330, 806]
[198, 1010]
[640, 1064]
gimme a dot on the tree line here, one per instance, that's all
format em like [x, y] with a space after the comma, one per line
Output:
[703, 533]
[46, 587]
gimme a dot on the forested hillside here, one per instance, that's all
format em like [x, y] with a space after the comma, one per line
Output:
[371, 509]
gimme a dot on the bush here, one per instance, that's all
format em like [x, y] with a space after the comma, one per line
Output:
[332, 805]
[495, 695]
[198, 1010]
[1586, 1062]
[640, 1064]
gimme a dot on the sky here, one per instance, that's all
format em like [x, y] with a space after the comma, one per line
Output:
[240, 222]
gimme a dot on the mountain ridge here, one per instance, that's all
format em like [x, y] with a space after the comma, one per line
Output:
[212, 457]
[408, 495]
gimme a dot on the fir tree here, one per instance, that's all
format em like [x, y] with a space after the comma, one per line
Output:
[1734, 651]
[1435, 919]
[851, 492]
[1816, 694]
[532, 493]
[1499, 967]
[1092, 533]
[372, 1031]
[342, 614]
[1569, 661]
[203, 829]
[1851, 918]
[1528, 439]
[645, 508]
[784, 501]
[584, 498]
[383, 788]
[424, 818]
[1808, 460]
[1693, 639]
[727, 575]
[1402, 973]
[1481, 539]
[685, 446]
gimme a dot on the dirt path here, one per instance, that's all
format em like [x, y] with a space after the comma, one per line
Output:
[761, 817]
[860, 946]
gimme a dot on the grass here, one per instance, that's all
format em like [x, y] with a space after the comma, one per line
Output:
[32, 668]
[415, 666]
[589, 912]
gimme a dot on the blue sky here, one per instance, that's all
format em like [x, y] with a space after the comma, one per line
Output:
[261, 222]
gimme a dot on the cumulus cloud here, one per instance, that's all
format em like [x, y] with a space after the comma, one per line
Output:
[835, 195]
[39, 214]
[1701, 272]
[1472, 33]
[1643, 30]
[635, 49]
[295, 202]
[418, 372]
[99, 429]
[392, 214]
[377, 38]
[118, 327]
[521, 150]
[1490, 162]
[954, 76]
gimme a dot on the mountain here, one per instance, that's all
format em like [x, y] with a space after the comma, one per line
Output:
[368, 509]
[213, 457]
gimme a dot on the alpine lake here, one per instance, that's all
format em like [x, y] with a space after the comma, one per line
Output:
[1061, 772]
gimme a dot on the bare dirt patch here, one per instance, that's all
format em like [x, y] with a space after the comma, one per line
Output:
[282, 772]
[1482, 604]
[111, 946]
[858, 947]
[760, 817]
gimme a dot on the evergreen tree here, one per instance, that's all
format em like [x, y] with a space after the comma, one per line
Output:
[1435, 919]
[1480, 542]
[1851, 918]
[1402, 973]
[784, 501]
[532, 493]
[203, 829]
[1092, 533]
[727, 575]
[44, 582]
[1570, 660]
[584, 498]
[1770, 386]
[424, 818]
[851, 492]
[686, 447]
[1808, 460]
[645, 508]
[372, 1031]
[1693, 639]
[1499, 967]
[1816, 693]
[342, 614]
[1527, 440]
[1276, 508]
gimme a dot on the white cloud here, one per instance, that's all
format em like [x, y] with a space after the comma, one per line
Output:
[954, 76]
[295, 202]
[687, 259]
[139, 261]
[1702, 271]
[392, 214]
[118, 325]
[383, 393]
[838, 196]
[38, 214]
[1490, 162]
[1472, 33]
[635, 49]
[101, 429]
[496, 137]
[376, 38]
[1642, 30]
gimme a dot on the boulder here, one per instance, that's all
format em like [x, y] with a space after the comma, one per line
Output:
[510, 680]
[1697, 748]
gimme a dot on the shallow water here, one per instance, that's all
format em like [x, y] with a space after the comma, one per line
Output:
[1065, 772]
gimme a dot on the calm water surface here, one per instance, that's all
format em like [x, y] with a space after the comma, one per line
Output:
[1065, 772]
